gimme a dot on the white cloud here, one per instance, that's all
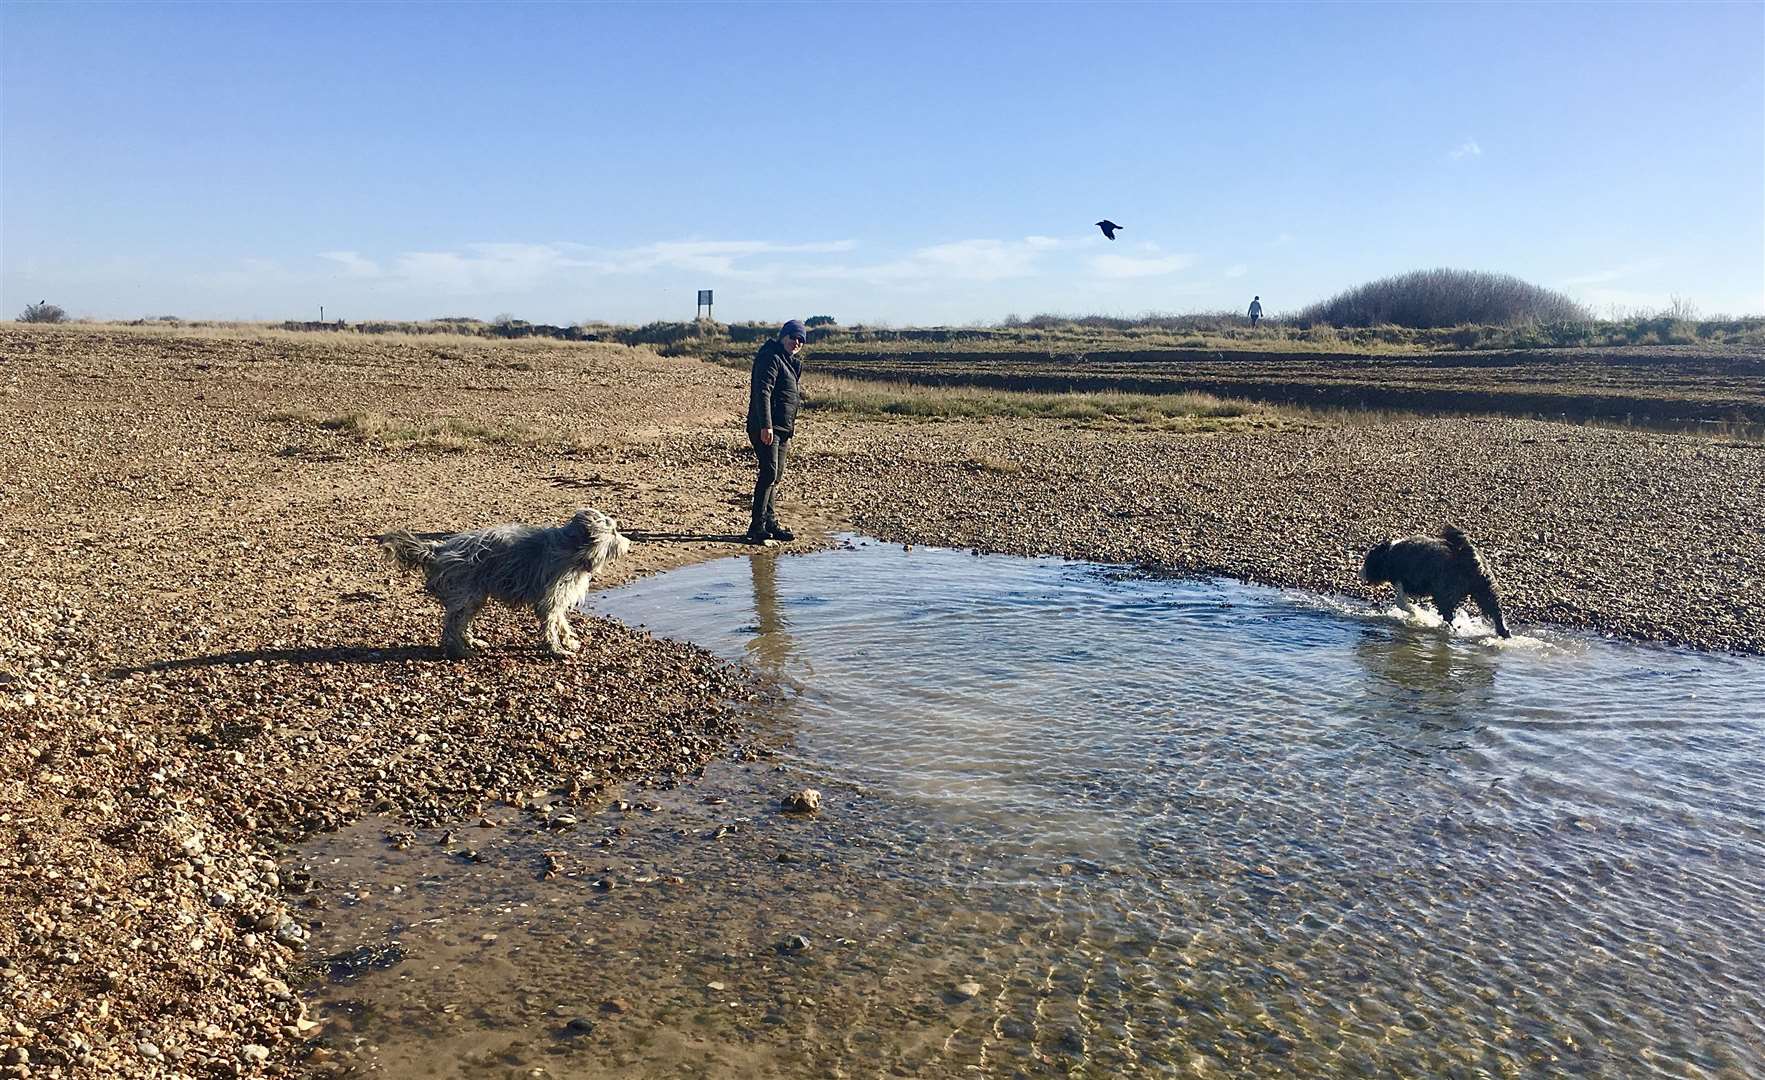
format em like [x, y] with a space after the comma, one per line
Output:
[1237, 270]
[1126, 266]
[518, 267]
[353, 264]
[714, 256]
[959, 260]
[1611, 273]
[1468, 148]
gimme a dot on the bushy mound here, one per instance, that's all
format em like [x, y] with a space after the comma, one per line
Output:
[1425, 299]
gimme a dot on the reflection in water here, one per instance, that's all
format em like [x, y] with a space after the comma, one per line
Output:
[771, 647]
[1425, 676]
[1081, 824]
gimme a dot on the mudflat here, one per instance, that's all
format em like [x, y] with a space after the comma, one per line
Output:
[203, 654]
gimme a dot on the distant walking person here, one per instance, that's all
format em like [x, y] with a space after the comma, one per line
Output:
[1255, 310]
[773, 398]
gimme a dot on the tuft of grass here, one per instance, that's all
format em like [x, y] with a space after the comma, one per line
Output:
[1187, 411]
[449, 434]
[997, 466]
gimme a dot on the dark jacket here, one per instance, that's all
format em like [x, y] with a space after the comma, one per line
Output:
[773, 393]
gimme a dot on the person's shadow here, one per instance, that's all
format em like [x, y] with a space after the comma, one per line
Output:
[644, 536]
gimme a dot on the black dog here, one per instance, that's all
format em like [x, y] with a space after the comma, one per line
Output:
[1447, 568]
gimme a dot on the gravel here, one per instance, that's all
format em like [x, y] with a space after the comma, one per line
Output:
[204, 658]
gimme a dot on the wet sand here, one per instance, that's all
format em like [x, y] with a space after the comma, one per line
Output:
[204, 655]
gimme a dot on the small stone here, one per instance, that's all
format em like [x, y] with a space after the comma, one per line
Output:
[807, 801]
[580, 1025]
[148, 1050]
[255, 1052]
[795, 943]
[967, 990]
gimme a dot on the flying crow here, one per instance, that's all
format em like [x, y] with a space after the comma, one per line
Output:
[1108, 227]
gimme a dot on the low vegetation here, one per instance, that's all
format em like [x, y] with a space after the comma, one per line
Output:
[396, 433]
[1193, 412]
[43, 312]
[1437, 299]
[1419, 312]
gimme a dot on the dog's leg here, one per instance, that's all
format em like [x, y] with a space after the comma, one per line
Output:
[571, 641]
[1491, 608]
[552, 628]
[1448, 605]
[1403, 599]
[467, 614]
[453, 633]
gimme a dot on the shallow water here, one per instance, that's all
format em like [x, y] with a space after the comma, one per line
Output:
[1083, 822]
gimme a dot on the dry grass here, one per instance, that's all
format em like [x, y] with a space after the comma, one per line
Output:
[448, 434]
[1181, 411]
[343, 339]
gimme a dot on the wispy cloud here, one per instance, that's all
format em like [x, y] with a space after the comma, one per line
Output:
[493, 268]
[352, 264]
[957, 261]
[1127, 266]
[1611, 273]
[1237, 270]
[1466, 149]
[715, 256]
[517, 267]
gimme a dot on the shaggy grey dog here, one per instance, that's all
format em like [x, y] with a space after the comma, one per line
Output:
[1446, 567]
[546, 568]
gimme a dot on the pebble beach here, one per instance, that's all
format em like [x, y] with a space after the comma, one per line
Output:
[204, 657]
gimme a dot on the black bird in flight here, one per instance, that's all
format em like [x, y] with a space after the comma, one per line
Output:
[1108, 227]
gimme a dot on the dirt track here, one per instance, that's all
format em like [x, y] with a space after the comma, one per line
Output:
[202, 653]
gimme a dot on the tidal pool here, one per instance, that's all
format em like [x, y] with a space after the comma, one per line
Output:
[1082, 822]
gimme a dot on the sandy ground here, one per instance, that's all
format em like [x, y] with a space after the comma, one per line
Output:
[202, 654]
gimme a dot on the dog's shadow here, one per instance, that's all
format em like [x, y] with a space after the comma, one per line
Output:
[336, 654]
[583, 483]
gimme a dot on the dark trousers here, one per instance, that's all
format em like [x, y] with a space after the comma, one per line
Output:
[771, 460]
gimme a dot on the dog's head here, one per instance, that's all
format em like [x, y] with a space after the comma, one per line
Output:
[603, 539]
[1376, 567]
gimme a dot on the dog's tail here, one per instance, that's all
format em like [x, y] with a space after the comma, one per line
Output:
[1457, 542]
[407, 550]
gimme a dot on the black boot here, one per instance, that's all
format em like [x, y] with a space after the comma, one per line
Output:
[757, 533]
[779, 532]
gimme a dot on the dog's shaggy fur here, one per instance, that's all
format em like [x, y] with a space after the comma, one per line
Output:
[546, 568]
[1447, 568]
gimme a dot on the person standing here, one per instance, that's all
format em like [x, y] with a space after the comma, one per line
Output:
[774, 396]
[1255, 310]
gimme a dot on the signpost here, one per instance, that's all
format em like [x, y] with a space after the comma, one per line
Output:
[704, 302]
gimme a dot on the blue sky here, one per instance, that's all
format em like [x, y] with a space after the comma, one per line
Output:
[908, 163]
